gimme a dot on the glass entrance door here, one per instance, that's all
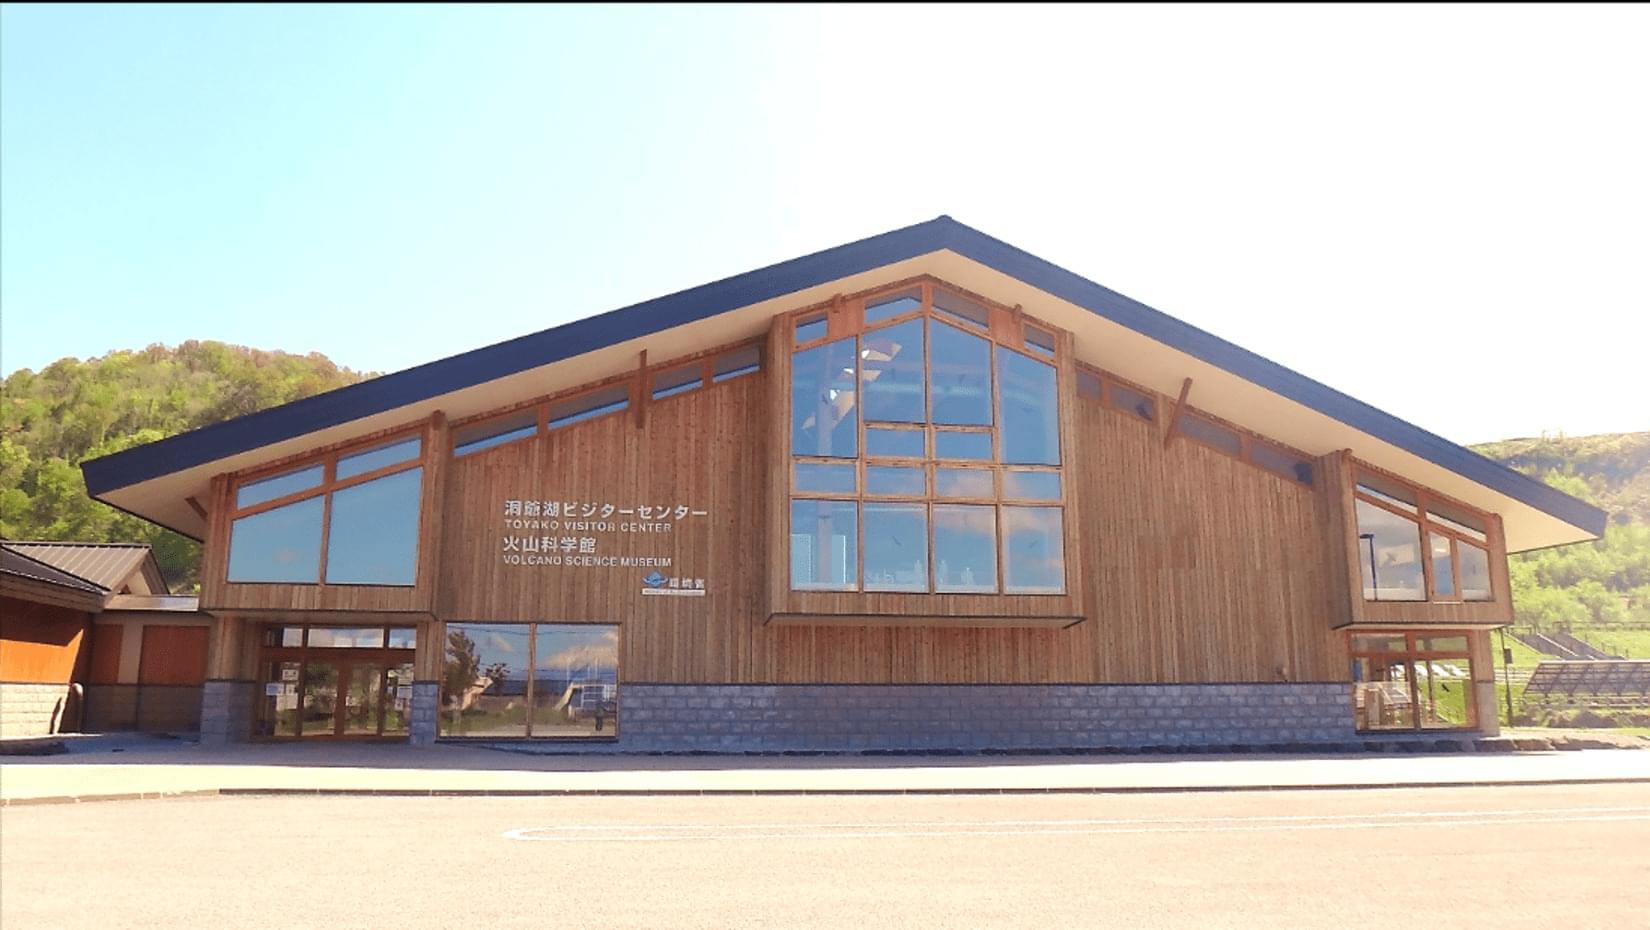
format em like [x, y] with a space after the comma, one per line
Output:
[327, 683]
[362, 710]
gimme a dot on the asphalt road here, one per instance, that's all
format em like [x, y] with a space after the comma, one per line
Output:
[1566, 856]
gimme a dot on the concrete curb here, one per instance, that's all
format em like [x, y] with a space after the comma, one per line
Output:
[790, 792]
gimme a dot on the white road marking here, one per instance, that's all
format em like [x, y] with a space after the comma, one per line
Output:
[630, 833]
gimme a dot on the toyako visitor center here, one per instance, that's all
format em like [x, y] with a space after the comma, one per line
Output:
[920, 491]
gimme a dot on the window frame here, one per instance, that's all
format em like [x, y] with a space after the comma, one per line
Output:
[1426, 528]
[1411, 655]
[1004, 328]
[330, 484]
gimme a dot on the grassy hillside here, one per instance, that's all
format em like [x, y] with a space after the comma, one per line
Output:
[72, 410]
[1600, 591]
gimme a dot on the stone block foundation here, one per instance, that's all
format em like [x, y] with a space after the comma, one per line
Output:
[859, 718]
[28, 709]
[426, 708]
[226, 711]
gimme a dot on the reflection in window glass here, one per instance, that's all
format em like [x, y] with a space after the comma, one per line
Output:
[280, 545]
[1443, 574]
[907, 481]
[484, 679]
[1034, 558]
[1457, 520]
[809, 328]
[891, 365]
[279, 486]
[736, 363]
[1030, 410]
[1441, 644]
[676, 381]
[1129, 400]
[962, 482]
[961, 308]
[1088, 384]
[889, 306]
[362, 462]
[1039, 340]
[575, 680]
[374, 531]
[588, 406]
[1031, 485]
[965, 548]
[896, 547]
[403, 637]
[489, 433]
[346, 637]
[1382, 490]
[1444, 688]
[1379, 642]
[967, 447]
[1390, 553]
[1381, 698]
[817, 477]
[894, 443]
[1211, 434]
[960, 376]
[1475, 572]
[824, 545]
[824, 415]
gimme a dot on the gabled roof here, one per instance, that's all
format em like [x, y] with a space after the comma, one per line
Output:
[13, 562]
[106, 566]
[152, 480]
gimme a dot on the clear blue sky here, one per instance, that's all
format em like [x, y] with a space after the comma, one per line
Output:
[1439, 211]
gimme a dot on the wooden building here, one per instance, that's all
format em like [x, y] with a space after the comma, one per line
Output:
[922, 490]
[91, 639]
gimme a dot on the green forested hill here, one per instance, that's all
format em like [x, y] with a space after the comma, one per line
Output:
[72, 410]
[1599, 589]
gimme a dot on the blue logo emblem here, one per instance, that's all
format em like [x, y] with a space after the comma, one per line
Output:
[654, 580]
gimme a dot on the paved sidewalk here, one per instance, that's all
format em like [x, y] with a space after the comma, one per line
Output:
[107, 768]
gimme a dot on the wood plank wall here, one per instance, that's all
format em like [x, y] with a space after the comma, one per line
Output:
[1188, 565]
[705, 449]
[1201, 567]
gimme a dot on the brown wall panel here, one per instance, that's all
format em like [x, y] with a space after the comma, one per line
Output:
[106, 642]
[173, 655]
[40, 643]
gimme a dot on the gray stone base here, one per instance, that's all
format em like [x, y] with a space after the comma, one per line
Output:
[426, 708]
[226, 711]
[859, 718]
[33, 709]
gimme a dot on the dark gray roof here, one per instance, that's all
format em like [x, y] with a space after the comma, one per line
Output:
[105, 565]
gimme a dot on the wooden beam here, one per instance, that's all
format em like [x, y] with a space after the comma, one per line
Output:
[195, 505]
[1179, 406]
[641, 391]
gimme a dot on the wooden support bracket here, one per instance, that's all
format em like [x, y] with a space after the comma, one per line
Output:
[641, 391]
[1179, 406]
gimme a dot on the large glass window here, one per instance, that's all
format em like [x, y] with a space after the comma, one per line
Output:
[374, 537]
[936, 409]
[896, 547]
[1395, 522]
[1412, 681]
[1030, 410]
[824, 400]
[520, 680]
[365, 505]
[824, 545]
